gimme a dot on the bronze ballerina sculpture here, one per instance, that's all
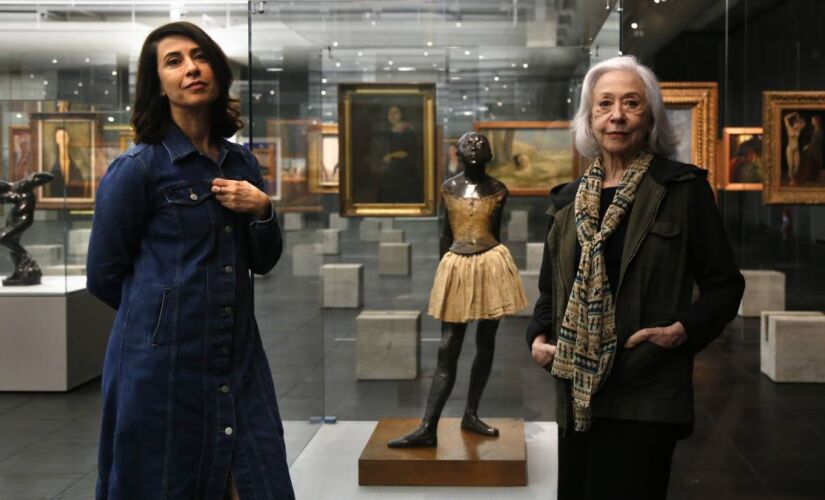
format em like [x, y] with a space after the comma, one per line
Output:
[476, 280]
[20, 218]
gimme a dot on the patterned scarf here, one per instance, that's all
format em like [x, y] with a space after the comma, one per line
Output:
[587, 340]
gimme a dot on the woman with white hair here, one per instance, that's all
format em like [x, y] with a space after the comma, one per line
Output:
[615, 324]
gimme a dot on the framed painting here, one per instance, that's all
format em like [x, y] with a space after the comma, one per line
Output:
[530, 157]
[66, 148]
[20, 152]
[387, 149]
[268, 156]
[452, 166]
[322, 158]
[793, 139]
[692, 108]
[740, 166]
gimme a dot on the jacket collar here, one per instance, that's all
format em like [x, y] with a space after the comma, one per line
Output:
[179, 146]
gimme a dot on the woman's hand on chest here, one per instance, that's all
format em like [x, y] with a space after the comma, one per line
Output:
[241, 196]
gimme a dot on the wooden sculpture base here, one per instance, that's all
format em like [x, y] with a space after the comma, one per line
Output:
[461, 459]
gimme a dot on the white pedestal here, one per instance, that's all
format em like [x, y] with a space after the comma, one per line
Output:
[306, 259]
[53, 336]
[391, 236]
[343, 285]
[394, 259]
[764, 290]
[535, 251]
[79, 241]
[387, 345]
[338, 222]
[517, 227]
[387, 223]
[530, 279]
[329, 240]
[794, 350]
[293, 221]
[370, 229]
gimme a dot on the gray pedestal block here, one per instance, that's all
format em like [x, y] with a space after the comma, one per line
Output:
[338, 222]
[306, 259]
[394, 259]
[530, 279]
[387, 223]
[517, 227]
[370, 229]
[343, 285]
[79, 241]
[387, 345]
[534, 254]
[329, 241]
[391, 236]
[764, 291]
[293, 221]
[51, 341]
[46, 255]
[794, 350]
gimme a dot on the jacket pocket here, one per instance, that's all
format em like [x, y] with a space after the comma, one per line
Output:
[188, 201]
[164, 321]
[665, 228]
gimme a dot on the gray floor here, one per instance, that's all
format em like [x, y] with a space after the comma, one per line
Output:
[753, 438]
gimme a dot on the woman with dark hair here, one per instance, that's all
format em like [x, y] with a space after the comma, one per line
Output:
[402, 181]
[189, 408]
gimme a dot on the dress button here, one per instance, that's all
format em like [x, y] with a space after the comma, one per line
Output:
[228, 431]
[227, 229]
[193, 197]
[227, 269]
[223, 349]
[227, 311]
[224, 389]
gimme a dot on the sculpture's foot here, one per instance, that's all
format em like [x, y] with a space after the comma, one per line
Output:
[474, 424]
[25, 278]
[423, 437]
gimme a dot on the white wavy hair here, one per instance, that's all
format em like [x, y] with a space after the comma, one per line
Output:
[661, 140]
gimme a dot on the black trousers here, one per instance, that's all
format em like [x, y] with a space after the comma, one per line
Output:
[617, 460]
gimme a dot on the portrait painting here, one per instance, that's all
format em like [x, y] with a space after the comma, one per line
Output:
[323, 167]
[692, 108]
[268, 156]
[452, 166]
[530, 157]
[794, 142]
[20, 152]
[387, 149]
[741, 168]
[66, 149]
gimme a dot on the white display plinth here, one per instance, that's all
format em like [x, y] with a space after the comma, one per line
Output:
[53, 336]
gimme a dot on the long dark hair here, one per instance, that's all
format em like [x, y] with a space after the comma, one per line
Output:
[150, 113]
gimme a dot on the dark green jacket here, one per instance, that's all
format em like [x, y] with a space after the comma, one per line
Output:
[675, 238]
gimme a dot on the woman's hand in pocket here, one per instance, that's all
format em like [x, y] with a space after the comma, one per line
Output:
[663, 336]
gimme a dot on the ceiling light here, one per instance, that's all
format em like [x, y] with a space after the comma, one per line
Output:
[406, 68]
[88, 60]
[486, 89]
[372, 23]
[111, 119]
[334, 44]
[458, 24]
[337, 64]
[114, 73]
[499, 104]
[525, 65]
[274, 70]
[466, 52]
[426, 53]
[272, 92]
[128, 108]
[454, 78]
[634, 25]
[19, 115]
[504, 86]
[464, 97]
[323, 92]
[496, 78]
[429, 44]
[389, 62]
[323, 80]
[480, 56]
[360, 53]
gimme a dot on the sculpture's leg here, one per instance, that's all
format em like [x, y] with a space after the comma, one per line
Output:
[452, 338]
[482, 365]
[26, 270]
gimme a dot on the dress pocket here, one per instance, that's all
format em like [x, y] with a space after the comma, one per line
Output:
[164, 321]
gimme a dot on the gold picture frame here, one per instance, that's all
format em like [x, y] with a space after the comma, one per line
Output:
[78, 140]
[268, 155]
[387, 149]
[21, 152]
[802, 113]
[741, 149]
[530, 157]
[323, 164]
[693, 108]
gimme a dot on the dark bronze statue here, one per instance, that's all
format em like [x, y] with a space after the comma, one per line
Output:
[20, 218]
[476, 280]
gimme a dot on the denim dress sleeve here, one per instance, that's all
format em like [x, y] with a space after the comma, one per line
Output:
[266, 241]
[123, 206]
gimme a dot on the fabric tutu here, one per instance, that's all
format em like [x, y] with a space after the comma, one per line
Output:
[485, 285]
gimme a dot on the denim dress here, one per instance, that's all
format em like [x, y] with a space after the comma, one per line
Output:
[188, 396]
